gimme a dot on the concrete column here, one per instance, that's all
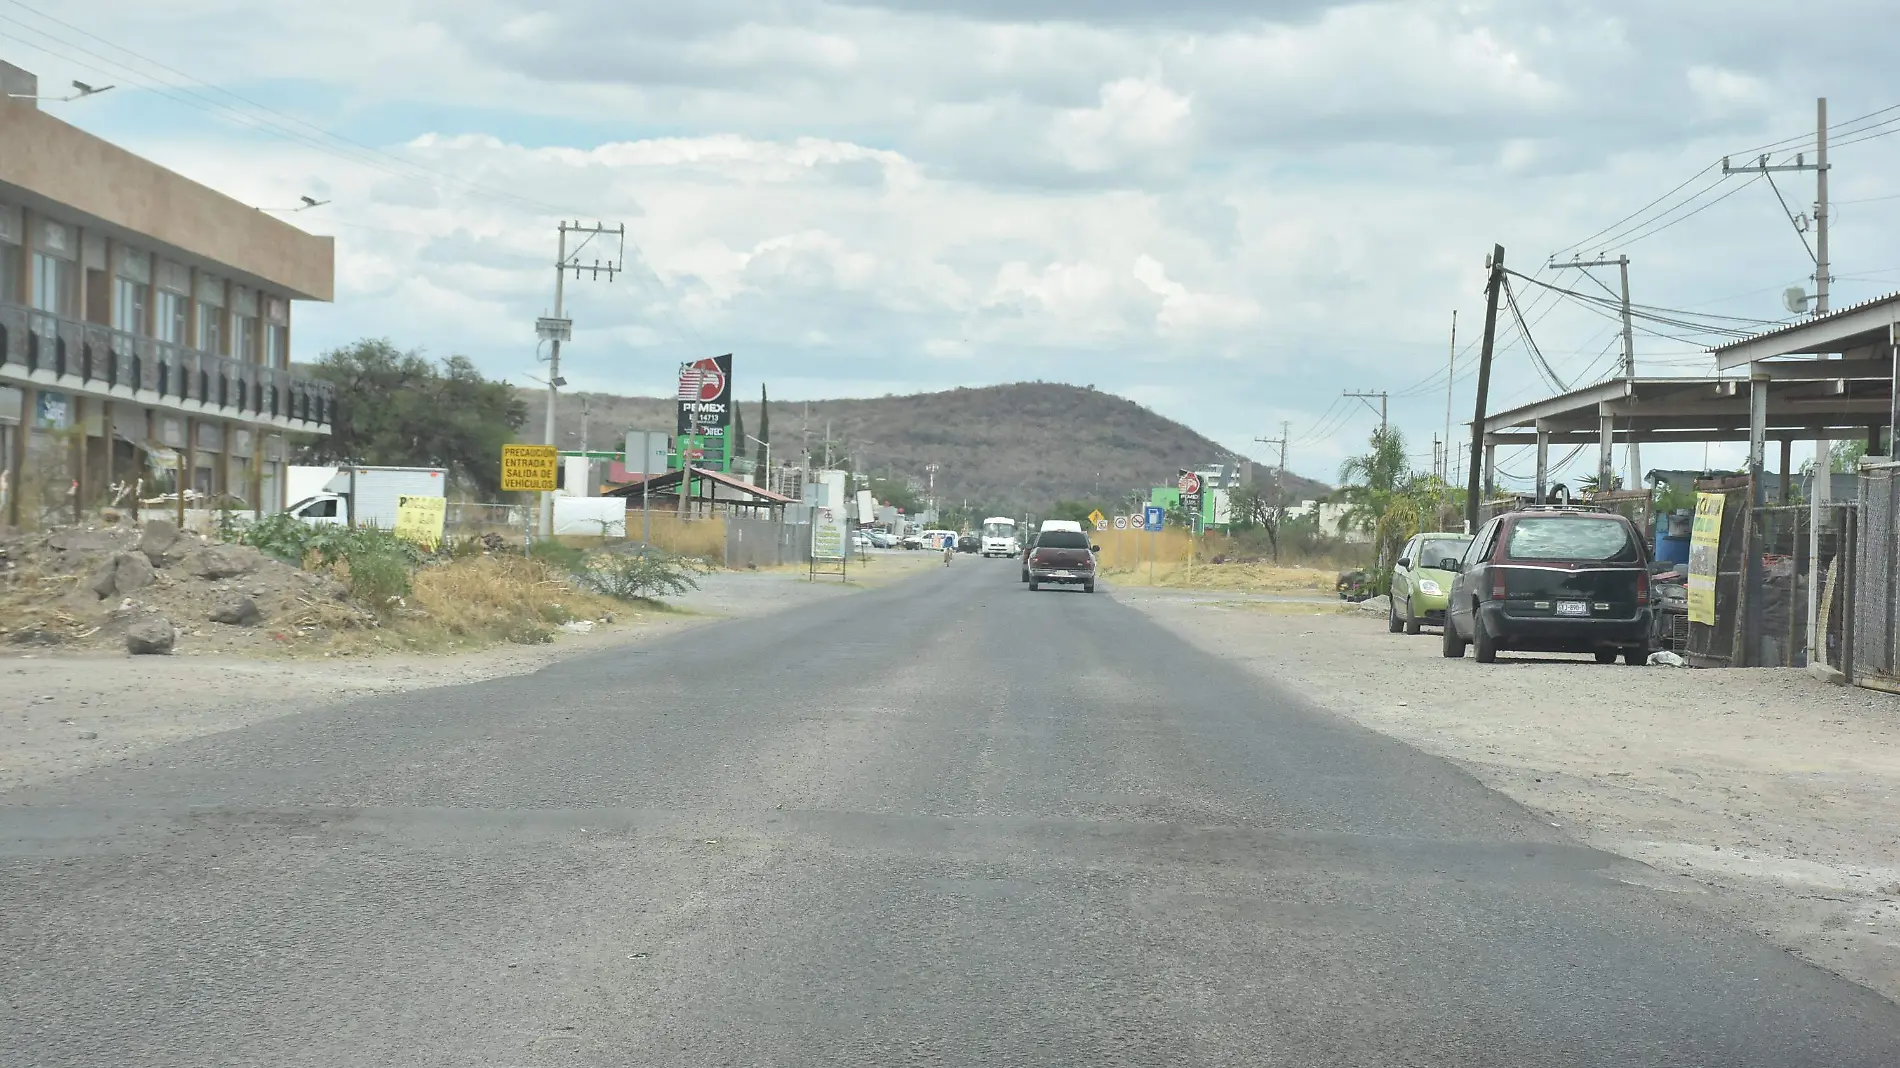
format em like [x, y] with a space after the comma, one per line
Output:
[257, 472]
[16, 474]
[1490, 465]
[81, 485]
[187, 464]
[1787, 469]
[1606, 448]
[108, 429]
[1748, 642]
[1543, 462]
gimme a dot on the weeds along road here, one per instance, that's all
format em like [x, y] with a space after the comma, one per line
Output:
[946, 822]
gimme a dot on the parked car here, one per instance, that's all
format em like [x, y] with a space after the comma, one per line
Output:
[1063, 556]
[913, 541]
[881, 538]
[1421, 581]
[1555, 581]
[969, 543]
[861, 542]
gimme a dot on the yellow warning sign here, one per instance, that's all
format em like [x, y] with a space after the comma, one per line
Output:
[535, 468]
[1096, 517]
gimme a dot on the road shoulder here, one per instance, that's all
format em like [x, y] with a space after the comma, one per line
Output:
[1765, 793]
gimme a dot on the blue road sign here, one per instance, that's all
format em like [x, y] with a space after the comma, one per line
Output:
[1152, 516]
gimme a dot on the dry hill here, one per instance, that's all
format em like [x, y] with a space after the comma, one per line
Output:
[1020, 445]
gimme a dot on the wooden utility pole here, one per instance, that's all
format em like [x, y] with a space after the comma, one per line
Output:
[1491, 288]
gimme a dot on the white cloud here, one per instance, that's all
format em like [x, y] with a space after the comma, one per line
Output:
[859, 198]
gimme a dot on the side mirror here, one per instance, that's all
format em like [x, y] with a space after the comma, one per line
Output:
[1095, 548]
[1451, 563]
[1405, 561]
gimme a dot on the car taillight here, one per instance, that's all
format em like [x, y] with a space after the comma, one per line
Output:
[1498, 590]
[1642, 587]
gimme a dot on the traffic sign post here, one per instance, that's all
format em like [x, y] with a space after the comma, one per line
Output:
[1152, 517]
[530, 468]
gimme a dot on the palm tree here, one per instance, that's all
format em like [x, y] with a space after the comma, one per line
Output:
[1371, 482]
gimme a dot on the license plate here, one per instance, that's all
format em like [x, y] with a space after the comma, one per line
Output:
[1573, 608]
[1061, 574]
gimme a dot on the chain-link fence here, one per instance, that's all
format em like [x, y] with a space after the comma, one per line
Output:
[764, 543]
[1876, 660]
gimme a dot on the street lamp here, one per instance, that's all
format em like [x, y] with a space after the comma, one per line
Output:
[80, 89]
[767, 446]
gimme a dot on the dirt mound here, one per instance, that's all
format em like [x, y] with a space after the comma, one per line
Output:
[82, 587]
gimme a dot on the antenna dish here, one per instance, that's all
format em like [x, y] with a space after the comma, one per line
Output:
[1795, 299]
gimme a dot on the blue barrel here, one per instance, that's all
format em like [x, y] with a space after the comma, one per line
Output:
[1673, 550]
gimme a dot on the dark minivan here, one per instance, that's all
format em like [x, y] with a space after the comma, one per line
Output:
[1062, 556]
[1552, 581]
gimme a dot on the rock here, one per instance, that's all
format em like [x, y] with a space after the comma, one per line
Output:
[578, 626]
[87, 736]
[121, 574]
[80, 541]
[158, 540]
[35, 635]
[236, 610]
[152, 635]
[222, 561]
[1665, 658]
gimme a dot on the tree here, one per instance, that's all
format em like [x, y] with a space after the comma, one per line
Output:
[764, 454]
[736, 452]
[1376, 482]
[401, 409]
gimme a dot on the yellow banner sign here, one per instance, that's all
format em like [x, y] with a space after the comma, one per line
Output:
[419, 520]
[534, 468]
[1705, 541]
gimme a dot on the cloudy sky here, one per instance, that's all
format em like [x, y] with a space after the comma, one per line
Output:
[1229, 211]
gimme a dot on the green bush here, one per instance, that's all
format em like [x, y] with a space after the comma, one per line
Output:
[640, 574]
[378, 563]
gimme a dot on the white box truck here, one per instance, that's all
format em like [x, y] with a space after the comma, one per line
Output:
[363, 496]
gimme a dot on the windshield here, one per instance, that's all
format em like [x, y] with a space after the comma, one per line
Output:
[1432, 553]
[1572, 539]
[1062, 539]
[998, 529]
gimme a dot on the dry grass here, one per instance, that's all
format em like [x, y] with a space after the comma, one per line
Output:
[483, 600]
[1252, 578]
[704, 538]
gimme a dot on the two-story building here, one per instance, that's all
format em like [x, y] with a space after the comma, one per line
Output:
[145, 326]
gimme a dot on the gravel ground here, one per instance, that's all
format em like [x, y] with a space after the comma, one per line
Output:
[64, 711]
[1773, 794]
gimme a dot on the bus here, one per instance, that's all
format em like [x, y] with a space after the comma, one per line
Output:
[999, 536]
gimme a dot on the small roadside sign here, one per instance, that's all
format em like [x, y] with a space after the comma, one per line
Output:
[533, 468]
[1152, 517]
[1135, 521]
[1101, 524]
[1121, 522]
[419, 520]
[1098, 519]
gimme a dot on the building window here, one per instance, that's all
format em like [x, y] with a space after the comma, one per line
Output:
[244, 337]
[128, 312]
[279, 341]
[173, 316]
[52, 284]
[9, 272]
[210, 329]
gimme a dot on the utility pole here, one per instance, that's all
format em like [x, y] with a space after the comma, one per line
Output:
[1823, 455]
[1279, 486]
[1491, 288]
[1622, 264]
[1451, 367]
[1366, 399]
[558, 328]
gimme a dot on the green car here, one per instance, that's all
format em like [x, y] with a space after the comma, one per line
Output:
[1421, 586]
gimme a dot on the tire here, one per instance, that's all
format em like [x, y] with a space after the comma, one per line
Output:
[1607, 656]
[1454, 647]
[1635, 656]
[1033, 586]
[1482, 642]
[1392, 623]
[1411, 621]
[1088, 587]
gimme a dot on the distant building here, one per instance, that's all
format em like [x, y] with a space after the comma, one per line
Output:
[146, 315]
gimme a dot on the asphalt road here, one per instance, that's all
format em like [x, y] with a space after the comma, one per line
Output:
[949, 822]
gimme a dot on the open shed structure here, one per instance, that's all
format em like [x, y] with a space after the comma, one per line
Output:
[708, 493]
[1828, 378]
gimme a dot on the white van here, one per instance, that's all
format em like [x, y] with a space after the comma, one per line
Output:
[999, 536]
[1061, 524]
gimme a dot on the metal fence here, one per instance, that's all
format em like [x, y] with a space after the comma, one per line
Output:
[764, 543]
[1875, 658]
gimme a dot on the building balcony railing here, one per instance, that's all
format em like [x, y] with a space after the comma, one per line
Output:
[67, 354]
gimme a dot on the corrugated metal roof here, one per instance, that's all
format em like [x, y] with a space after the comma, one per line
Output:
[1807, 323]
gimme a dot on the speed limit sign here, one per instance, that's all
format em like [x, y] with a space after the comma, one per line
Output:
[1121, 522]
